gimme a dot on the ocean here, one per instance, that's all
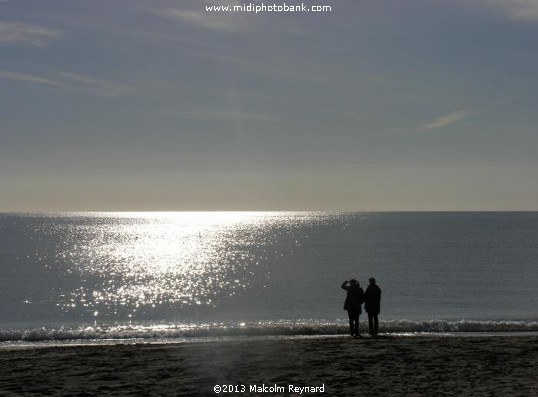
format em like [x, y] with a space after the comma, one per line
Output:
[91, 277]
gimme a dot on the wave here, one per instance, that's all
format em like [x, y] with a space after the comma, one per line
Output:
[160, 332]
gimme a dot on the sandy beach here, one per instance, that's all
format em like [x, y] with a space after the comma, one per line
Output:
[340, 366]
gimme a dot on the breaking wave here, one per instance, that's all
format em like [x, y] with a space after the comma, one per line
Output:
[160, 332]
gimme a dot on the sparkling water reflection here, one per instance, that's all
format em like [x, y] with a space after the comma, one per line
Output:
[134, 261]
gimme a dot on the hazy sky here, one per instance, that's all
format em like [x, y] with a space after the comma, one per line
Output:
[376, 105]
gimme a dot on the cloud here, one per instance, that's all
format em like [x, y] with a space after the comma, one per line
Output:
[26, 78]
[214, 20]
[232, 116]
[25, 34]
[71, 82]
[444, 121]
[95, 86]
[526, 10]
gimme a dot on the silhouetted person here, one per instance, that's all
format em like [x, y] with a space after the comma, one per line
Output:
[354, 299]
[372, 305]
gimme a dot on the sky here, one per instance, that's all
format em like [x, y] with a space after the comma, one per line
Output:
[375, 105]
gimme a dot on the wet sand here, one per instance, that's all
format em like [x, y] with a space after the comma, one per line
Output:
[387, 366]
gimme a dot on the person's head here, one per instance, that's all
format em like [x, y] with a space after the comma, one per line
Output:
[371, 280]
[353, 282]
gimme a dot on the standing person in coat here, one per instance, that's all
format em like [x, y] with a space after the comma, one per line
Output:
[354, 299]
[372, 297]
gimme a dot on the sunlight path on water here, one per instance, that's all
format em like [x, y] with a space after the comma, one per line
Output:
[143, 260]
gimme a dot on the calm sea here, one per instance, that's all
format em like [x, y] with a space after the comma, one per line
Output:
[156, 276]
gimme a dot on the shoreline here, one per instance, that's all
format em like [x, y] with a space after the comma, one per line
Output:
[148, 332]
[395, 365]
[177, 341]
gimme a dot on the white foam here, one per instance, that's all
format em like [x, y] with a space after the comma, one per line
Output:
[160, 332]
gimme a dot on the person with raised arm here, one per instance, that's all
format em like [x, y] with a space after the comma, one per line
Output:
[354, 300]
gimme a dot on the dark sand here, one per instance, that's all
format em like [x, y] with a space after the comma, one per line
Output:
[388, 366]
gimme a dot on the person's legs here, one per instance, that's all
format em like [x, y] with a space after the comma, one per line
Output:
[376, 324]
[357, 333]
[371, 323]
[351, 326]
[353, 322]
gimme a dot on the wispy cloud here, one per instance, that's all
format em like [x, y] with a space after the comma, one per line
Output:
[26, 78]
[526, 10]
[202, 18]
[25, 34]
[232, 116]
[95, 86]
[444, 121]
[71, 82]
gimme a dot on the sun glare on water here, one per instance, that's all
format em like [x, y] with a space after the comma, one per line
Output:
[139, 261]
